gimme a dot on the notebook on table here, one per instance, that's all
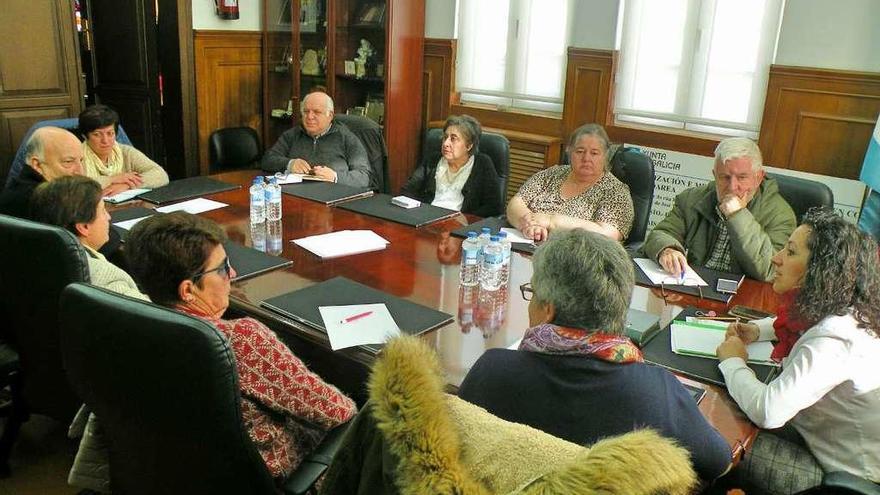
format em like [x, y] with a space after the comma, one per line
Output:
[302, 305]
[495, 224]
[186, 189]
[249, 262]
[706, 292]
[380, 206]
[328, 193]
[659, 351]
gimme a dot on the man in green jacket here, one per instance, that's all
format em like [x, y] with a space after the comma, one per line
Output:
[732, 224]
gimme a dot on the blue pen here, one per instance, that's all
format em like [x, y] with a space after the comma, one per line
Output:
[681, 278]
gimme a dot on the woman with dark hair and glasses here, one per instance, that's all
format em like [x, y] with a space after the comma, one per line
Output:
[117, 167]
[576, 375]
[827, 396]
[179, 261]
[458, 176]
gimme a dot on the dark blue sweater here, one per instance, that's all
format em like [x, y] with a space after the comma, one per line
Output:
[582, 400]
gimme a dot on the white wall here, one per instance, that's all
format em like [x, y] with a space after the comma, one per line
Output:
[250, 16]
[839, 34]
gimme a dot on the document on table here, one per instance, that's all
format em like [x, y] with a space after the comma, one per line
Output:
[128, 224]
[194, 206]
[358, 324]
[290, 178]
[125, 195]
[659, 276]
[701, 340]
[514, 235]
[342, 243]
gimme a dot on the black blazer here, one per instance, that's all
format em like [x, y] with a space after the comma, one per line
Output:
[481, 196]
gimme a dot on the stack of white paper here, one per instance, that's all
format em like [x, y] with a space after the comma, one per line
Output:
[342, 243]
[124, 195]
[701, 340]
[194, 206]
[514, 235]
[128, 224]
[358, 324]
[659, 276]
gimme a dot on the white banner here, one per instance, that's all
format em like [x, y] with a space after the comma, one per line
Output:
[676, 171]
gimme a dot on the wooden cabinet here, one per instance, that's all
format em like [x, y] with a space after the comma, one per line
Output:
[366, 54]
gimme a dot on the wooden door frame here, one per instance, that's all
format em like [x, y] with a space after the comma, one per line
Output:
[188, 88]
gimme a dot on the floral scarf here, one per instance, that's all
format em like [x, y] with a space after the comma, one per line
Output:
[553, 339]
[788, 327]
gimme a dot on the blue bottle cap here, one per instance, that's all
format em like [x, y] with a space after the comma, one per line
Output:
[493, 238]
[471, 234]
[486, 230]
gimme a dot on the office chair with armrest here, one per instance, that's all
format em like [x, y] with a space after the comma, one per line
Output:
[70, 124]
[233, 148]
[39, 261]
[371, 135]
[14, 410]
[164, 387]
[636, 170]
[495, 146]
[803, 194]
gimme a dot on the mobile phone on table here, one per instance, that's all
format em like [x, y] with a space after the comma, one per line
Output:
[727, 286]
[748, 313]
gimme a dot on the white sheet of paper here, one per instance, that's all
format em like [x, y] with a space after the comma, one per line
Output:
[342, 243]
[712, 323]
[514, 235]
[515, 346]
[693, 340]
[128, 224]
[375, 328]
[124, 195]
[659, 276]
[287, 179]
[194, 206]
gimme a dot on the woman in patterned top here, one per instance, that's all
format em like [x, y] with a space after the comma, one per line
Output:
[581, 195]
[179, 261]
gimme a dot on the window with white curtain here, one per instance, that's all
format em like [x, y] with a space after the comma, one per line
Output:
[512, 53]
[699, 65]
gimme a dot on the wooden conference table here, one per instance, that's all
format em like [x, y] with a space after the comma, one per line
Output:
[421, 265]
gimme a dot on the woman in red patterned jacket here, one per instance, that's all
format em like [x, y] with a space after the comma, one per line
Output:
[179, 261]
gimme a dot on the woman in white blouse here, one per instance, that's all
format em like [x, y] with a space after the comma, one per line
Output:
[827, 395]
[458, 176]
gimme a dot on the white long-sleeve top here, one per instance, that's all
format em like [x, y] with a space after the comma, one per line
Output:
[829, 388]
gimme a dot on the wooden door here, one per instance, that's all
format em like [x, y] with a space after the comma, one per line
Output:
[39, 70]
[126, 69]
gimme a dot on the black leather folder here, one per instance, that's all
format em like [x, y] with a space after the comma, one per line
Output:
[249, 262]
[192, 187]
[125, 214]
[494, 223]
[380, 206]
[302, 305]
[658, 351]
[328, 193]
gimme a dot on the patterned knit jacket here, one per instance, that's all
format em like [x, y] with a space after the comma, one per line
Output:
[286, 408]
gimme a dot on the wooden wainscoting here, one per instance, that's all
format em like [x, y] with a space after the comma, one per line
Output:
[439, 79]
[819, 120]
[529, 153]
[228, 83]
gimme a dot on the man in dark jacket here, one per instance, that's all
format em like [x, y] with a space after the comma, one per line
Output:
[319, 147]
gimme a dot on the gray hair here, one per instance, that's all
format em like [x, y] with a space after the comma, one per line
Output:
[594, 130]
[739, 147]
[35, 146]
[588, 278]
[470, 129]
[328, 102]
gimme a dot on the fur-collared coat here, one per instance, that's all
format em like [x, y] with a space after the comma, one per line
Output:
[412, 438]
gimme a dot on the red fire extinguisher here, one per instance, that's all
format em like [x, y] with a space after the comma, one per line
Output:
[227, 9]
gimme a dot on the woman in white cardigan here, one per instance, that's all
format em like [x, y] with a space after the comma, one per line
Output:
[826, 399]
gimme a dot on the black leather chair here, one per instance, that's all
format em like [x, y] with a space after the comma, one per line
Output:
[495, 146]
[13, 408]
[843, 483]
[233, 148]
[38, 262]
[636, 170]
[165, 389]
[803, 194]
[371, 135]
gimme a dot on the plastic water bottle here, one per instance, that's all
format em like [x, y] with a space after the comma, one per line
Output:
[258, 201]
[273, 237]
[485, 233]
[505, 253]
[273, 200]
[490, 272]
[469, 275]
[258, 237]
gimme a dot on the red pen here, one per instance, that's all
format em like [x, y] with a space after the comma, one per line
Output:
[356, 317]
